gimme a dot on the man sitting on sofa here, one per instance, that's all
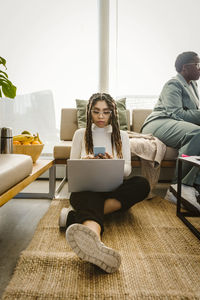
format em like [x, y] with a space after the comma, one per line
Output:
[175, 121]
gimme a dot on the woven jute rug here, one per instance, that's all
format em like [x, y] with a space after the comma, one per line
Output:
[160, 259]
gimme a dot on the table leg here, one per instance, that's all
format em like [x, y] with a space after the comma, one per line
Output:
[183, 215]
[49, 195]
[60, 186]
[179, 187]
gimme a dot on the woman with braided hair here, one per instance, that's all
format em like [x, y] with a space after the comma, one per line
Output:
[83, 220]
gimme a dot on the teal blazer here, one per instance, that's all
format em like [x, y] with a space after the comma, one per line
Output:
[177, 102]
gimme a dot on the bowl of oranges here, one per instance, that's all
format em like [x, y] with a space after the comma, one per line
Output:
[26, 143]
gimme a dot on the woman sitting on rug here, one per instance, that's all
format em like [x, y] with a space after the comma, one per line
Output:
[84, 219]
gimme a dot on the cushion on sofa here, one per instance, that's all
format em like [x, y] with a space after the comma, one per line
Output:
[68, 124]
[62, 150]
[171, 154]
[121, 108]
[14, 168]
[138, 118]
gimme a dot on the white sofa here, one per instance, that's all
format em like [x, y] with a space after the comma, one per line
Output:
[13, 169]
[135, 120]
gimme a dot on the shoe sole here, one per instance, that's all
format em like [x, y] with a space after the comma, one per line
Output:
[186, 203]
[86, 244]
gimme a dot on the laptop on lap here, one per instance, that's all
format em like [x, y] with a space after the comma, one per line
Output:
[95, 175]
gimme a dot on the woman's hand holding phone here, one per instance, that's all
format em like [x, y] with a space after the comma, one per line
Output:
[99, 156]
[99, 153]
[105, 156]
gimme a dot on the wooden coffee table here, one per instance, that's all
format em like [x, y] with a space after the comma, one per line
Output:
[38, 169]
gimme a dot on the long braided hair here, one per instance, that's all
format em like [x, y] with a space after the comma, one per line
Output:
[115, 136]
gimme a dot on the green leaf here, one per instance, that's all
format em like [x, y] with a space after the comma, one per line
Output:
[3, 78]
[4, 73]
[2, 61]
[9, 89]
[6, 86]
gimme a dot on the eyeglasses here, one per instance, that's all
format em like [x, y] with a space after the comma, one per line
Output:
[196, 64]
[105, 113]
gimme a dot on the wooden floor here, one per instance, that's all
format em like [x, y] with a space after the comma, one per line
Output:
[18, 220]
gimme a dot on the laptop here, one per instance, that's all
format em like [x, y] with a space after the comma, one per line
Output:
[95, 175]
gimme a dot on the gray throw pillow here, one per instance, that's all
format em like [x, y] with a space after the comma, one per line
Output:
[81, 106]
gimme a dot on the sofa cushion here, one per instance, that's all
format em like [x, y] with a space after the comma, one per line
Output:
[138, 118]
[68, 123]
[62, 150]
[14, 168]
[171, 154]
[121, 108]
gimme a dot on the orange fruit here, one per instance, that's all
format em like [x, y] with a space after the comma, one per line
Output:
[26, 143]
[35, 143]
[16, 143]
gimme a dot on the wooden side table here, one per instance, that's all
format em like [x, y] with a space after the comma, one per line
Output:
[38, 168]
[193, 160]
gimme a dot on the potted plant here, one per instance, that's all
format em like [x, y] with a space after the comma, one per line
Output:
[6, 86]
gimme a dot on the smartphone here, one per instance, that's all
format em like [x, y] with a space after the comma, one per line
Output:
[99, 150]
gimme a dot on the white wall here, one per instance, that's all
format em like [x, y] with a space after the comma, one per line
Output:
[150, 35]
[51, 44]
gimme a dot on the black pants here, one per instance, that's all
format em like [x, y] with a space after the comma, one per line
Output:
[90, 205]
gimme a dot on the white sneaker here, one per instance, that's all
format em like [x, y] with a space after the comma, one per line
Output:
[170, 197]
[63, 217]
[188, 196]
[87, 245]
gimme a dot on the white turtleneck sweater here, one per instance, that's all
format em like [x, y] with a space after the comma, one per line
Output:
[101, 137]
